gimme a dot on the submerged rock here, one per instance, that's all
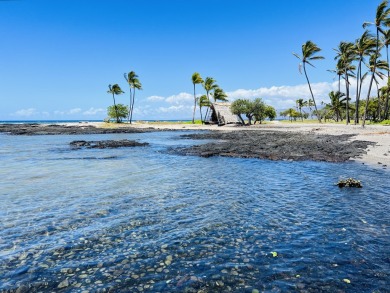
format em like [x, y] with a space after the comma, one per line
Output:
[103, 144]
[350, 182]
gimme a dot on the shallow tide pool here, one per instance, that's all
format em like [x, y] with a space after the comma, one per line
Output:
[146, 220]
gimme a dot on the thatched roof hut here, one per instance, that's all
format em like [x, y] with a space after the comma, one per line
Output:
[221, 114]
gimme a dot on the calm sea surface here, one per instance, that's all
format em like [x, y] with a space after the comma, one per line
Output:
[146, 220]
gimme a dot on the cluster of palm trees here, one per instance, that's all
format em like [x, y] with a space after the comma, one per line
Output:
[212, 89]
[134, 83]
[350, 57]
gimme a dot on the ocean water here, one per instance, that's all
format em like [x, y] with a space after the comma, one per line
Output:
[146, 220]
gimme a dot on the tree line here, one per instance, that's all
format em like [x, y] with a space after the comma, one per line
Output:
[350, 57]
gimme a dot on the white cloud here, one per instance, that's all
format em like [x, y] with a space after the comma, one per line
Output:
[68, 112]
[155, 98]
[93, 111]
[25, 112]
[74, 111]
[281, 97]
[182, 98]
[175, 109]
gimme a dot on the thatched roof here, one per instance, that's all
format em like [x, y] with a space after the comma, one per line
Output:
[222, 114]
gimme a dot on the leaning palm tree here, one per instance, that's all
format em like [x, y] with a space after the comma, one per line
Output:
[386, 42]
[346, 55]
[202, 101]
[115, 90]
[196, 79]
[364, 46]
[374, 68]
[339, 72]
[209, 84]
[309, 49]
[219, 95]
[134, 83]
[381, 19]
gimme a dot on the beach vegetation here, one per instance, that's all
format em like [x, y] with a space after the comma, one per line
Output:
[300, 104]
[292, 114]
[252, 109]
[134, 83]
[309, 51]
[345, 56]
[115, 90]
[337, 105]
[202, 101]
[117, 112]
[196, 79]
[382, 19]
[364, 47]
[209, 84]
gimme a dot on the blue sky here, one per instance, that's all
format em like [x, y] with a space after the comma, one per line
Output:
[58, 57]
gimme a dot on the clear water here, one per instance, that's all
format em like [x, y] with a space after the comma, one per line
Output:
[146, 220]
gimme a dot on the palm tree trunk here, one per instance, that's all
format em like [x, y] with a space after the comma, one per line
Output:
[357, 91]
[347, 98]
[207, 110]
[132, 106]
[116, 109]
[339, 82]
[372, 78]
[193, 114]
[386, 114]
[128, 116]
[200, 110]
[379, 101]
[311, 92]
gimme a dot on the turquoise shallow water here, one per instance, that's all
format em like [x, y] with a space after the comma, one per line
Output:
[146, 220]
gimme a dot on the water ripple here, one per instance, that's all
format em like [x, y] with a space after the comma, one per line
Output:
[146, 220]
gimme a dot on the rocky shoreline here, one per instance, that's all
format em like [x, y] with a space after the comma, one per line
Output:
[63, 129]
[278, 145]
[242, 143]
[105, 144]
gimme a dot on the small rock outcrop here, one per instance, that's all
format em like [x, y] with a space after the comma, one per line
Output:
[350, 182]
[104, 144]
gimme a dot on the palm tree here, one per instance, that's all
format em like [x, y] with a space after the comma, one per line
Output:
[381, 19]
[338, 71]
[196, 79]
[346, 55]
[219, 95]
[209, 84]
[386, 42]
[202, 101]
[300, 104]
[337, 104]
[364, 46]
[115, 90]
[134, 83]
[373, 68]
[309, 49]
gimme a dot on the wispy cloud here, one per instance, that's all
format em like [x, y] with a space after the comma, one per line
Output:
[68, 112]
[155, 98]
[93, 111]
[25, 112]
[175, 109]
[181, 98]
